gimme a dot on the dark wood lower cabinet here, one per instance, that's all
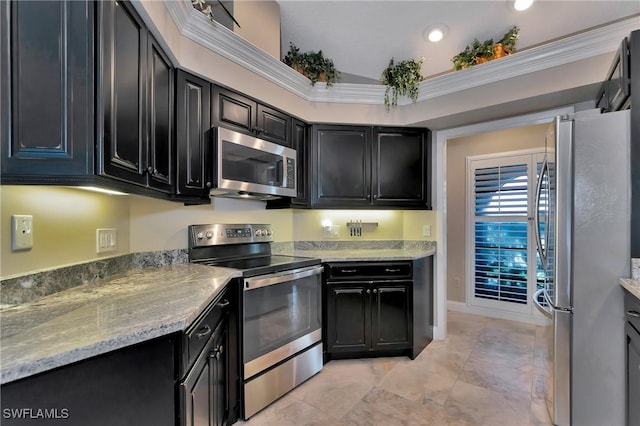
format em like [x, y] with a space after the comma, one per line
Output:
[377, 308]
[132, 386]
[632, 357]
[205, 398]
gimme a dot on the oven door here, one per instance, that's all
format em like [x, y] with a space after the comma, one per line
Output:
[281, 317]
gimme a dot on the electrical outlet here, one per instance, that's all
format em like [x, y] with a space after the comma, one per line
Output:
[331, 231]
[426, 230]
[456, 283]
[106, 240]
[21, 232]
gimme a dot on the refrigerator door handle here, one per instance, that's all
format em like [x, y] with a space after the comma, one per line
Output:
[546, 310]
[536, 217]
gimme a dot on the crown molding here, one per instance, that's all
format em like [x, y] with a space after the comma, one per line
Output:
[195, 26]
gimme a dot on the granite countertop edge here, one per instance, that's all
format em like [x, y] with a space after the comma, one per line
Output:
[369, 255]
[21, 354]
[631, 285]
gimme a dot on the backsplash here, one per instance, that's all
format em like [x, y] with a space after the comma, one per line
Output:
[286, 247]
[30, 287]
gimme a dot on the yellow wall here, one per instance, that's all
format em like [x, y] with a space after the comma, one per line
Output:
[162, 225]
[392, 224]
[457, 152]
[65, 222]
[64, 226]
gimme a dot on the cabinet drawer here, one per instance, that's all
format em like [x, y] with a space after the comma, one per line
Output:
[199, 333]
[361, 270]
[632, 310]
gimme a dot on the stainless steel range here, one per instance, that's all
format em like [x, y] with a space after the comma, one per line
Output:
[280, 309]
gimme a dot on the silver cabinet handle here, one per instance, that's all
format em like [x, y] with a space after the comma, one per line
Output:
[634, 314]
[392, 270]
[204, 331]
[368, 291]
[375, 290]
[348, 271]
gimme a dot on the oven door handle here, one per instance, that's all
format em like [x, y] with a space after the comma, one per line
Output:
[281, 277]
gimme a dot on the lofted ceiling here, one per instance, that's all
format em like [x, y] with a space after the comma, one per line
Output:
[360, 36]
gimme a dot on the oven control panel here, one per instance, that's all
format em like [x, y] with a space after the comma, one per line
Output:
[218, 234]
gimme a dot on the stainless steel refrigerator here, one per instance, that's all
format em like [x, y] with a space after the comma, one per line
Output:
[583, 233]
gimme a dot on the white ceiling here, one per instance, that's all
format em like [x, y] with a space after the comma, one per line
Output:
[361, 35]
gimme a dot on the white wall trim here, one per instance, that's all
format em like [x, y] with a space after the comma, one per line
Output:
[439, 189]
[452, 305]
[193, 25]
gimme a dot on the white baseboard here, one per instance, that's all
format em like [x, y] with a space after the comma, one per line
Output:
[496, 313]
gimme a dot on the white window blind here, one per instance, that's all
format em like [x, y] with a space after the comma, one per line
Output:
[501, 246]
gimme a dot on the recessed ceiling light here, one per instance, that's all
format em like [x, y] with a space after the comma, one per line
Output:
[521, 5]
[435, 33]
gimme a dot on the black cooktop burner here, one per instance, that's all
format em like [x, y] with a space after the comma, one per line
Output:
[252, 266]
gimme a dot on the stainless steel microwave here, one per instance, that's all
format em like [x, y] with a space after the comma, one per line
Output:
[249, 167]
[615, 92]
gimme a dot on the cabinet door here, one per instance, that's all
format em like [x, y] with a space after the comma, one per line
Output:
[160, 137]
[233, 111]
[401, 171]
[219, 375]
[348, 317]
[199, 397]
[341, 166]
[633, 376]
[391, 315]
[46, 81]
[193, 127]
[300, 144]
[273, 125]
[123, 67]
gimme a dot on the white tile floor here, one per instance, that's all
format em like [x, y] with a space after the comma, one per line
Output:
[487, 372]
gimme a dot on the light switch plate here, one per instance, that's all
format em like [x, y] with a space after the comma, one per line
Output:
[21, 232]
[106, 240]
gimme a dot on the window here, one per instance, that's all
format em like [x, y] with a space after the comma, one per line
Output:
[504, 266]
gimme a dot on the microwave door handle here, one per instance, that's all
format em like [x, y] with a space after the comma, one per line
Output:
[280, 172]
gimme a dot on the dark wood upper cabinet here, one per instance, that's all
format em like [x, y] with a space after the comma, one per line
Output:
[194, 144]
[356, 167]
[274, 126]
[341, 166]
[46, 81]
[243, 114]
[161, 110]
[136, 92]
[401, 167]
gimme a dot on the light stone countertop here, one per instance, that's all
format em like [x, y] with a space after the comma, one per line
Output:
[364, 255]
[92, 319]
[633, 286]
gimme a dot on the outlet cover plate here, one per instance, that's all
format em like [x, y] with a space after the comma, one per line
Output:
[426, 230]
[21, 232]
[331, 231]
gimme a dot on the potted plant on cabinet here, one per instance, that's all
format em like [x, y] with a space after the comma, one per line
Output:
[479, 53]
[402, 78]
[312, 65]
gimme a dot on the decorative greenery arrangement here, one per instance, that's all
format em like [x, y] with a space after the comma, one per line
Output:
[204, 8]
[312, 65]
[402, 78]
[478, 53]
